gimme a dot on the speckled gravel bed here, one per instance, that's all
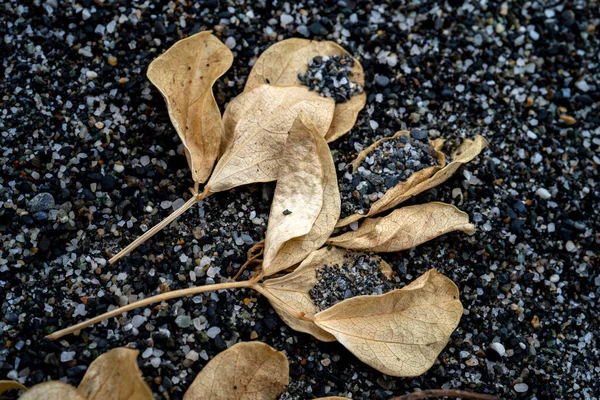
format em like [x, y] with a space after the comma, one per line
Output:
[392, 162]
[89, 160]
[330, 77]
[359, 275]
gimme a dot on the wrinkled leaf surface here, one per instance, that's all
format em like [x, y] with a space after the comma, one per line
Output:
[54, 390]
[405, 228]
[9, 385]
[399, 333]
[245, 371]
[185, 75]
[281, 63]
[306, 204]
[115, 375]
[257, 124]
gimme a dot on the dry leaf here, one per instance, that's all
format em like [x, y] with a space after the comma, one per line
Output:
[289, 295]
[9, 385]
[405, 228]
[399, 333]
[257, 124]
[422, 180]
[281, 63]
[306, 204]
[54, 390]
[245, 371]
[185, 75]
[115, 375]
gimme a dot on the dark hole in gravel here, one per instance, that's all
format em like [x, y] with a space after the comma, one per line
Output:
[390, 163]
[330, 77]
[359, 275]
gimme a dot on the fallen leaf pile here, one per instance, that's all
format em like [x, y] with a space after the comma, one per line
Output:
[279, 130]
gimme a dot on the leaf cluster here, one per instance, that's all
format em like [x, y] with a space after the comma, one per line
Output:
[279, 130]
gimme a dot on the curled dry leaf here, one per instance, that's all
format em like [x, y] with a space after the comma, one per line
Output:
[185, 75]
[54, 390]
[289, 295]
[422, 180]
[405, 228]
[399, 333]
[281, 63]
[306, 204]
[9, 385]
[115, 375]
[257, 124]
[245, 371]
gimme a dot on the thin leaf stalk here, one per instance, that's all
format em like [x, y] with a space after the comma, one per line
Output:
[156, 228]
[154, 299]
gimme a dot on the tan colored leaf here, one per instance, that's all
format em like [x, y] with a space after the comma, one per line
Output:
[399, 333]
[185, 75]
[53, 390]
[289, 295]
[245, 371]
[306, 204]
[115, 375]
[405, 228]
[281, 63]
[257, 124]
[9, 385]
[422, 180]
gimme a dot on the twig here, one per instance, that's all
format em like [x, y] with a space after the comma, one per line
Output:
[431, 393]
[251, 258]
[156, 228]
[153, 299]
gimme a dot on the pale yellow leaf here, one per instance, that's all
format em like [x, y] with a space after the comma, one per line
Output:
[282, 62]
[306, 204]
[422, 180]
[53, 390]
[405, 228]
[115, 375]
[399, 333]
[257, 124]
[9, 385]
[245, 371]
[290, 294]
[185, 75]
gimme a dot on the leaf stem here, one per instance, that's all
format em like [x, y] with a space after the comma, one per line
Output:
[156, 228]
[154, 299]
[430, 393]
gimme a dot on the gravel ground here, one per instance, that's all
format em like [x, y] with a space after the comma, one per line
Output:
[89, 160]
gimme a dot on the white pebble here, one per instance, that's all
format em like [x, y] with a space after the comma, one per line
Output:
[554, 278]
[582, 85]
[91, 74]
[13, 375]
[85, 14]
[192, 355]
[67, 356]
[166, 204]
[543, 193]
[286, 19]
[570, 246]
[147, 353]
[374, 124]
[155, 362]
[499, 348]
[534, 35]
[521, 387]
[119, 168]
[137, 321]
[230, 42]
[110, 27]
[145, 160]
[213, 332]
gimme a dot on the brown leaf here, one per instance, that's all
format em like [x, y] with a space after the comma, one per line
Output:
[185, 75]
[405, 228]
[422, 180]
[257, 124]
[245, 371]
[399, 333]
[115, 375]
[53, 390]
[281, 63]
[289, 295]
[9, 385]
[306, 204]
